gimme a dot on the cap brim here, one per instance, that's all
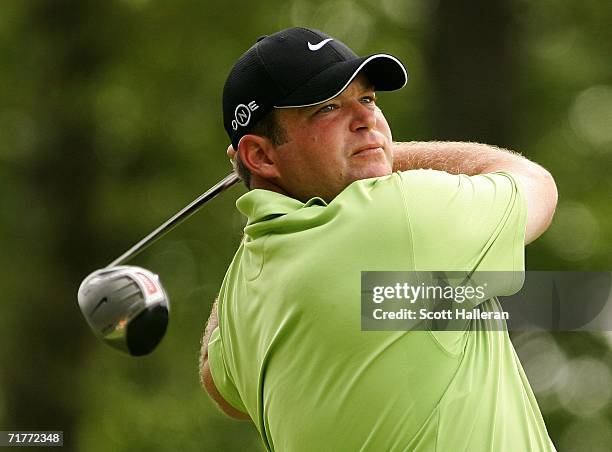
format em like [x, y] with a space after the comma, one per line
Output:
[385, 72]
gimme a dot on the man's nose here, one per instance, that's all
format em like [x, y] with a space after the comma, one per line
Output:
[364, 116]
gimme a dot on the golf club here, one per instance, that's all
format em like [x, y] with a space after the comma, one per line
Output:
[127, 306]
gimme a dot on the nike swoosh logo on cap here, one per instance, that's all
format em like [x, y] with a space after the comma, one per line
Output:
[315, 47]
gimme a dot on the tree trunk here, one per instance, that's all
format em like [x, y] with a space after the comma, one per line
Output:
[472, 64]
[40, 381]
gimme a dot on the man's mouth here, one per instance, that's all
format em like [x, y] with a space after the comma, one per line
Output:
[371, 149]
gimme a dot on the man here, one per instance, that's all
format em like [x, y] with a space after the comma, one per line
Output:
[332, 195]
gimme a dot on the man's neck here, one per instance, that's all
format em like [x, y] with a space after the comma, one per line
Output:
[265, 184]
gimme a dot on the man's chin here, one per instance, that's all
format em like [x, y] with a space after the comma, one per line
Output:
[382, 169]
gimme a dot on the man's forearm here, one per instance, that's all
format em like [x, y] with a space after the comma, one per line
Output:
[538, 185]
[212, 323]
[453, 157]
[205, 374]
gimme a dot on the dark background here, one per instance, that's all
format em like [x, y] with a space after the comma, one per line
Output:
[110, 121]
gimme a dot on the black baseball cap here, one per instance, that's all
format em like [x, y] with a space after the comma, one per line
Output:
[297, 67]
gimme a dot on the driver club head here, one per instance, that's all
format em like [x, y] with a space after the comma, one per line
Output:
[126, 307]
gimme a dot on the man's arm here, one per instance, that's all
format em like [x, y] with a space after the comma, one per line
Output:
[205, 375]
[537, 184]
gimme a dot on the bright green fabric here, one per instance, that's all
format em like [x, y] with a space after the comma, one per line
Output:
[289, 349]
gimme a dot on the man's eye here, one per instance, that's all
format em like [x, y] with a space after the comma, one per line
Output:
[368, 99]
[327, 108]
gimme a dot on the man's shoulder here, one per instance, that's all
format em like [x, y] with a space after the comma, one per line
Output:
[430, 185]
[399, 185]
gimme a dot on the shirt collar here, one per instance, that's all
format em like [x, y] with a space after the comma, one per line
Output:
[260, 205]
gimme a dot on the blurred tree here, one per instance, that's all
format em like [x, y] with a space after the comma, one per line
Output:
[63, 53]
[110, 121]
[472, 65]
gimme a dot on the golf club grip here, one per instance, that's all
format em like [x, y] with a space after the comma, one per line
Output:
[178, 218]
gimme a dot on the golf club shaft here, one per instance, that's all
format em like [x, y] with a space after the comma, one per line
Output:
[181, 216]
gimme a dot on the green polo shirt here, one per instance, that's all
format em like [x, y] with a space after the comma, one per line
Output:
[289, 350]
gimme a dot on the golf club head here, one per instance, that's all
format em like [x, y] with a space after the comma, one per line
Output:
[126, 307]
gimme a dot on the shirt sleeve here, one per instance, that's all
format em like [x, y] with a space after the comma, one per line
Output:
[223, 381]
[467, 223]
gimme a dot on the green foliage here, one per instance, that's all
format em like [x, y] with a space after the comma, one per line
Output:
[110, 121]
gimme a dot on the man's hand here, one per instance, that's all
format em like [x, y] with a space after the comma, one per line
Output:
[231, 153]
[538, 185]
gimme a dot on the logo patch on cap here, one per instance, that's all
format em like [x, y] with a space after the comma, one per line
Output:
[242, 114]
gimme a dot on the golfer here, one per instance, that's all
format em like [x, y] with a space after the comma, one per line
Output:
[331, 195]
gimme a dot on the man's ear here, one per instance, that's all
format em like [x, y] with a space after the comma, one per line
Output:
[257, 154]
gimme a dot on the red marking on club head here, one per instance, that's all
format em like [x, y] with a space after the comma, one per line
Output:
[150, 285]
